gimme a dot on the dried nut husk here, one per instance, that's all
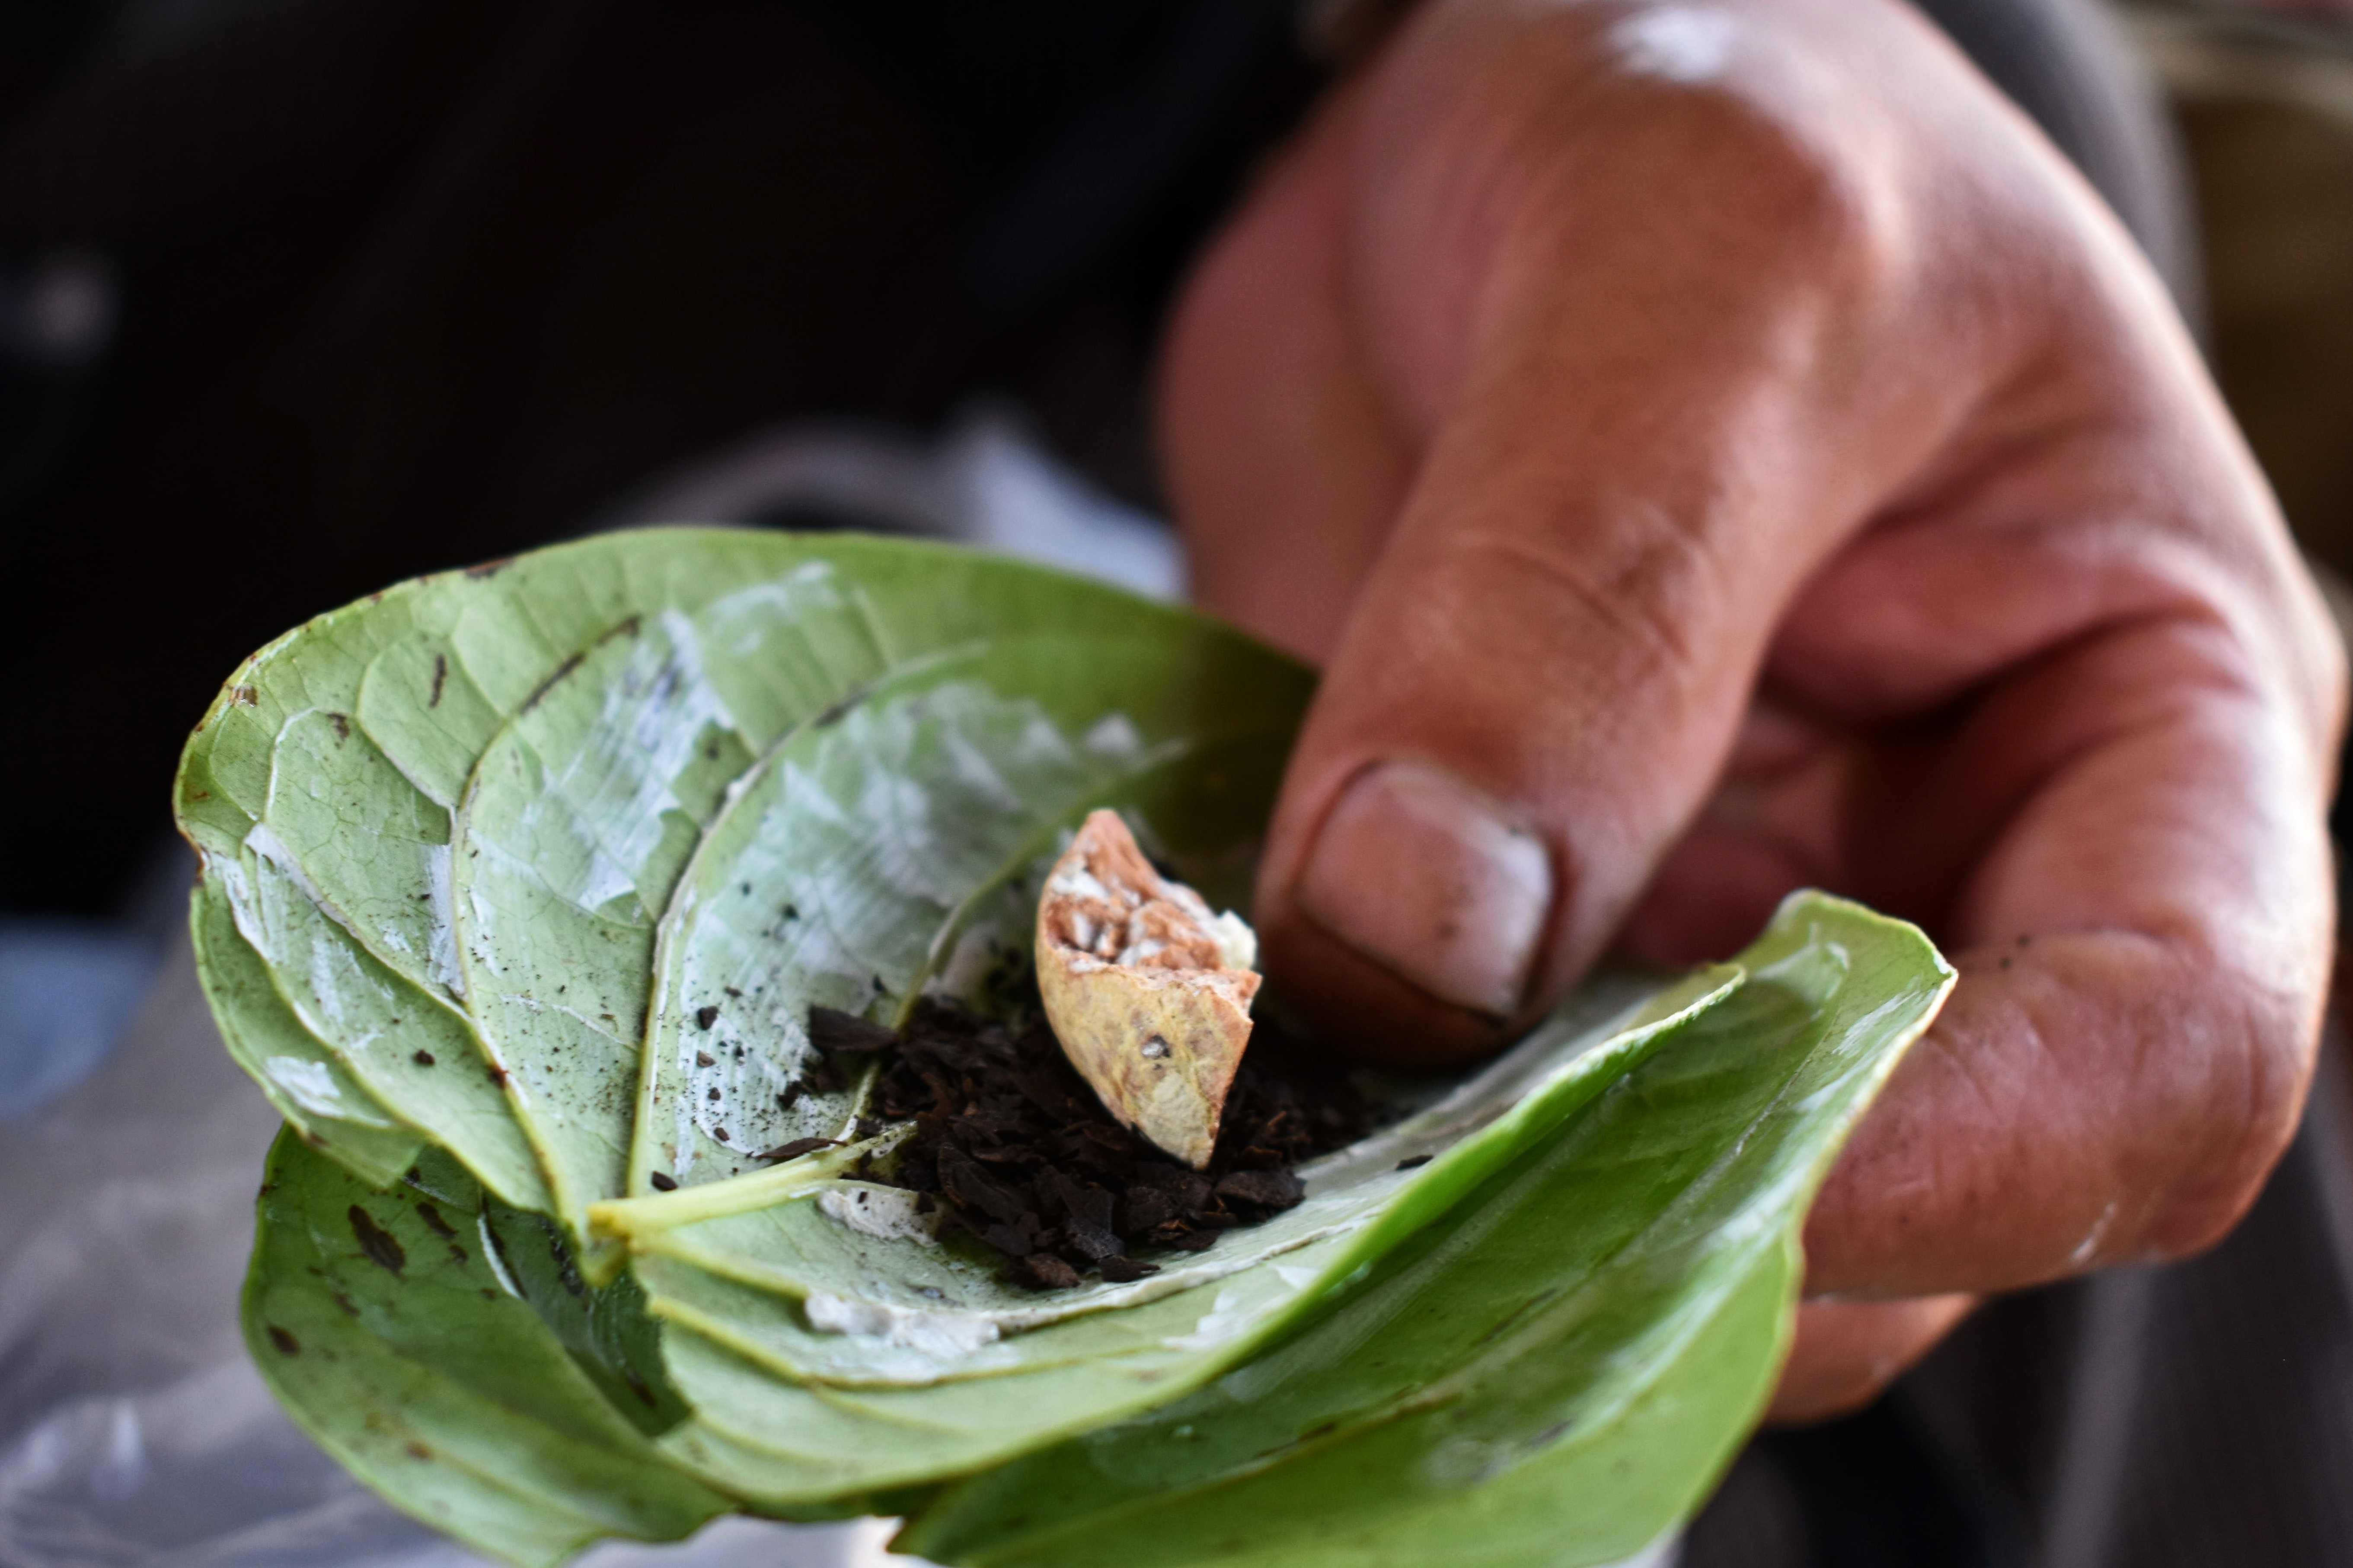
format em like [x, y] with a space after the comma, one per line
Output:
[1148, 991]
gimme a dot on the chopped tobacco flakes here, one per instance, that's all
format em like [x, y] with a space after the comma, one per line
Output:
[798, 1147]
[830, 1029]
[1017, 1152]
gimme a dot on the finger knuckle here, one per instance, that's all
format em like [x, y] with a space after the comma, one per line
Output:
[1746, 133]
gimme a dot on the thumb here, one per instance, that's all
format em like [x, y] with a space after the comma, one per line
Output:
[1536, 686]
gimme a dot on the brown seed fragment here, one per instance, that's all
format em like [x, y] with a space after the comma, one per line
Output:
[1148, 991]
[1044, 1271]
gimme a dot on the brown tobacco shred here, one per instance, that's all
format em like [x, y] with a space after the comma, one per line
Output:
[1017, 1152]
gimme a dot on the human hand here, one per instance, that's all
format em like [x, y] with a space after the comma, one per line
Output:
[1719, 450]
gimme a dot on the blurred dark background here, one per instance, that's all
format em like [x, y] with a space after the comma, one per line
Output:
[302, 296]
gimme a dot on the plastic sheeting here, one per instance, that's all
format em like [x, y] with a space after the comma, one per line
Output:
[133, 1431]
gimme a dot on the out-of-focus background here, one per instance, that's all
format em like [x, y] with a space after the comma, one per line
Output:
[302, 296]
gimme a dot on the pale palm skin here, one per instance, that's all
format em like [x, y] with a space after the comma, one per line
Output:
[1733, 441]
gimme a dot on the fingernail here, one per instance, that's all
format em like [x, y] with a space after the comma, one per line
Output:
[1427, 877]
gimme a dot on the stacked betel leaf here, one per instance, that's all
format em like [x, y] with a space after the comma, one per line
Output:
[518, 887]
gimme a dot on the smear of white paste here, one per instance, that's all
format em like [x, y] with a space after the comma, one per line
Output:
[932, 1333]
[886, 1212]
[1677, 43]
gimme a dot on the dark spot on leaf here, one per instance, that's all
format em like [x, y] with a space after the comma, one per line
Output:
[342, 723]
[662, 1182]
[834, 710]
[377, 1244]
[733, 992]
[792, 912]
[441, 678]
[344, 1302]
[705, 1059]
[706, 1016]
[416, 1450]
[1415, 1162]
[456, 1254]
[423, 1058]
[433, 1220]
[545, 687]
[286, 1342]
[720, 1134]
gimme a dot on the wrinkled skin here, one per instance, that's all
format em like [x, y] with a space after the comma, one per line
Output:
[1736, 445]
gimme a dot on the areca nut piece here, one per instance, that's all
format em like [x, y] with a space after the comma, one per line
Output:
[1148, 991]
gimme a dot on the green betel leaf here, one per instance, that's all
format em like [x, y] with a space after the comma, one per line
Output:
[382, 1323]
[1554, 1372]
[518, 885]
